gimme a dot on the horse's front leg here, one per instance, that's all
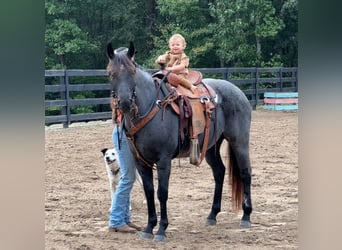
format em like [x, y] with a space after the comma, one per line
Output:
[164, 170]
[147, 177]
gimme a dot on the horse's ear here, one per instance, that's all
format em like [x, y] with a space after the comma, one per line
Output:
[110, 51]
[131, 51]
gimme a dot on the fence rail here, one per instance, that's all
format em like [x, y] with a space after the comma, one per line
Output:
[64, 100]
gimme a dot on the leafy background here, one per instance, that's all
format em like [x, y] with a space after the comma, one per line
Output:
[221, 33]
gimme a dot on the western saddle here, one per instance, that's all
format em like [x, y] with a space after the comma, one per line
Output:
[194, 109]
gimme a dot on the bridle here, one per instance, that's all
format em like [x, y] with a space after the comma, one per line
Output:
[135, 122]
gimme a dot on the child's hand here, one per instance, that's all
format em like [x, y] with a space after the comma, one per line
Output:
[161, 60]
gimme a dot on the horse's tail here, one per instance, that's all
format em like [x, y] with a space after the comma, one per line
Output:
[235, 181]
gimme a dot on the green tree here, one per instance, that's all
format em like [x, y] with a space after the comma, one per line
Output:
[191, 18]
[63, 37]
[77, 31]
[242, 27]
[219, 33]
[287, 40]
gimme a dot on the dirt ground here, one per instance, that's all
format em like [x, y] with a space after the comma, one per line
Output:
[77, 195]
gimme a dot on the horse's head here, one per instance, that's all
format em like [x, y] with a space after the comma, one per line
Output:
[122, 70]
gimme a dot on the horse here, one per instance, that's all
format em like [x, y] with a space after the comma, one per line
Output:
[157, 140]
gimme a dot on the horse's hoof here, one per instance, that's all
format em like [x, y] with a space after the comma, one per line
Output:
[144, 235]
[210, 222]
[245, 224]
[159, 238]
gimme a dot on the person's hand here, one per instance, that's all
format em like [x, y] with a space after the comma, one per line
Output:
[161, 60]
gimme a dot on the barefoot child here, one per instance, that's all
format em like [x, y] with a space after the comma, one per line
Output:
[177, 61]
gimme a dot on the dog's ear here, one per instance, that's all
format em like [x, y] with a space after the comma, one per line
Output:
[104, 151]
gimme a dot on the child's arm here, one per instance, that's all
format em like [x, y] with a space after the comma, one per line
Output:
[176, 68]
[179, 67]
[161, 59]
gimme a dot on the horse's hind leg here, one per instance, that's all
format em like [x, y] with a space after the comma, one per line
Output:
[241, 160]
[214, 159]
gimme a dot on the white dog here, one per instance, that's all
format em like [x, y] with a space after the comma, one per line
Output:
[113, 169]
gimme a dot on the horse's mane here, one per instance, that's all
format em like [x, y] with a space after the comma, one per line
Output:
[119, 62]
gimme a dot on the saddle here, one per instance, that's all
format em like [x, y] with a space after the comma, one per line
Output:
[194, 110]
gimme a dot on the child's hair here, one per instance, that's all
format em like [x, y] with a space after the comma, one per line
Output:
[179, 36]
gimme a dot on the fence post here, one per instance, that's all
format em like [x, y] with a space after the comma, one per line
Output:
[281, 79]
[67, 98]
[255, 97]
[295, 74]
[226, 74]
[64, 109]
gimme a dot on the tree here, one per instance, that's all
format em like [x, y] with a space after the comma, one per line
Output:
[77, 31]
[63, 37]
[287, 40]
[219, 33]
[191, 18]
[242, 27]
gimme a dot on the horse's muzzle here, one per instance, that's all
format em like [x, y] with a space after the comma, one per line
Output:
[126, 106]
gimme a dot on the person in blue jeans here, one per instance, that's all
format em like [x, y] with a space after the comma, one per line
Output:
[119, 217]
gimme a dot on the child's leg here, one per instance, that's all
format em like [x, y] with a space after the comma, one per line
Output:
[179, 79]
[185, 83]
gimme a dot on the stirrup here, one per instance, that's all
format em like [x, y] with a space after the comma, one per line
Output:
[194, 152]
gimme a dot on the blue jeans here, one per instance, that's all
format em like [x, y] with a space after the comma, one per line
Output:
[120, 213]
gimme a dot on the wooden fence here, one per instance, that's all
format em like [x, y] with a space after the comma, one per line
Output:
[65, 90]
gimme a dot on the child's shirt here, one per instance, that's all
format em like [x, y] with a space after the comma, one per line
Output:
[176, 59]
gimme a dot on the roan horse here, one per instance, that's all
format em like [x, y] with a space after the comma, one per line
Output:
[158, 140]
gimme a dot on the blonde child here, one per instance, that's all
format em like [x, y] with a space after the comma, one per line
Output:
[177, 61]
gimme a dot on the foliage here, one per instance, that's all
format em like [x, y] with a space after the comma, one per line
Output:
[242, 28]
[220, 33]
[176, 17]
[63, 36]
[82, 109]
